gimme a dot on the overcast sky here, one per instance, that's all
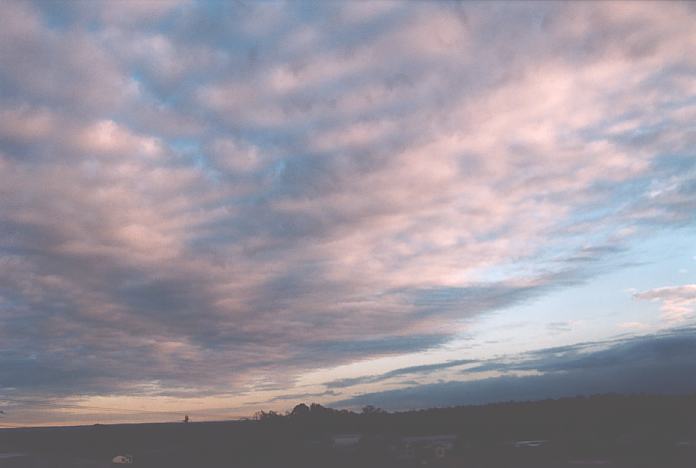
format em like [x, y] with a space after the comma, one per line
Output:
[219, 207]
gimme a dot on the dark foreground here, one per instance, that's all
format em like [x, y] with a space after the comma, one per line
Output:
[604, 431]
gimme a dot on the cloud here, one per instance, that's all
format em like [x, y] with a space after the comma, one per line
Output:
[422, 369]
[649, 364]
[302, 396]
[212, 193]
[678, 303]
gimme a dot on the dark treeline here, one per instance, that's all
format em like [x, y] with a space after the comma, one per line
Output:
[657, 417]
[647, 427]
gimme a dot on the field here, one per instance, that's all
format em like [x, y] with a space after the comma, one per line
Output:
[607, 431]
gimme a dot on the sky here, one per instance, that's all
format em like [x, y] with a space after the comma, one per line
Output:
[215, 208]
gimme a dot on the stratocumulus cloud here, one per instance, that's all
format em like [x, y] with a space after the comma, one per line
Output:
[650, 364]
[205, 196]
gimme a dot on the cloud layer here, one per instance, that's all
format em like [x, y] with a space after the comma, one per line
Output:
[202, 197]
[659, 364]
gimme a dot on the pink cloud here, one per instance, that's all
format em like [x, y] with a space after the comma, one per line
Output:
[677, 303]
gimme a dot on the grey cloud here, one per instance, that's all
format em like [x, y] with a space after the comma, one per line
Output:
[651, 351]
[378, 158]
[422, 369]
[650, 364]
[384, 345]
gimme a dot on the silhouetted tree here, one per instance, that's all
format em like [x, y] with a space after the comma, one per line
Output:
[300, 410]
[316, 408]
[369, 409]
[266, 416]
